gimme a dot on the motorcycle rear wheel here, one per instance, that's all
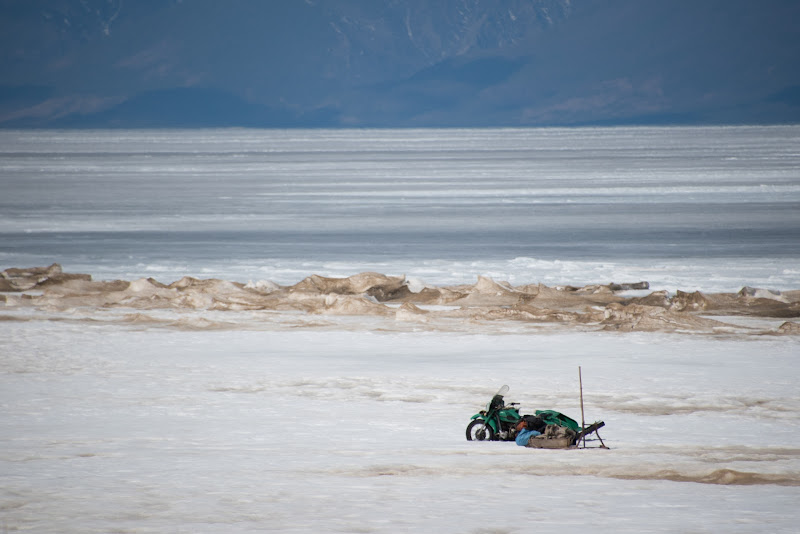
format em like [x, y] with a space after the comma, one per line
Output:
[478, 430]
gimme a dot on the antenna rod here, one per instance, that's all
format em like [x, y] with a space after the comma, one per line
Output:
[583, 422]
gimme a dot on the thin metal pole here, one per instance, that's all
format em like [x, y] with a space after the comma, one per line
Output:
[583, 422]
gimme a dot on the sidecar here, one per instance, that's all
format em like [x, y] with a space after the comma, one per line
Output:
[562, 437]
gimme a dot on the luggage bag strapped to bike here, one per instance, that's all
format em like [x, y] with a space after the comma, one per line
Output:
[552, 417]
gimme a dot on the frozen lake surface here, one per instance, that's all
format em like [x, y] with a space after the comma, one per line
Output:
[344, 425]
[109, 429]
[710, 208]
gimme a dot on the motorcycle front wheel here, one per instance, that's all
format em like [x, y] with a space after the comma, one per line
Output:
[478, 430]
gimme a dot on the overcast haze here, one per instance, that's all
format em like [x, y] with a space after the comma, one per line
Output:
[99, 63]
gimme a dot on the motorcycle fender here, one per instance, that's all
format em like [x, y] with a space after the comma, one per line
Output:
[491, 422]
[494, 423]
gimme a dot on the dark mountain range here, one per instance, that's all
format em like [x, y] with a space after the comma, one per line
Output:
[191, 63]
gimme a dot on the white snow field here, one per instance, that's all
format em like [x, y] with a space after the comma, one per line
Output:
[109, 429]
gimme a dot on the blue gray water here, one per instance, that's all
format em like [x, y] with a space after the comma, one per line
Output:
[715, 207]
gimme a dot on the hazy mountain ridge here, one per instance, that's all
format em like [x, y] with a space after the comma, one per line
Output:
[395, 62]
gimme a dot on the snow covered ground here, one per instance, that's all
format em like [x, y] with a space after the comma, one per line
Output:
[119, 429]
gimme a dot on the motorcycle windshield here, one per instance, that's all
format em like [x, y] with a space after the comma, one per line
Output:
[502, 391]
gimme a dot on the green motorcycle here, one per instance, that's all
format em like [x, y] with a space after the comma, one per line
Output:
[497, 422]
